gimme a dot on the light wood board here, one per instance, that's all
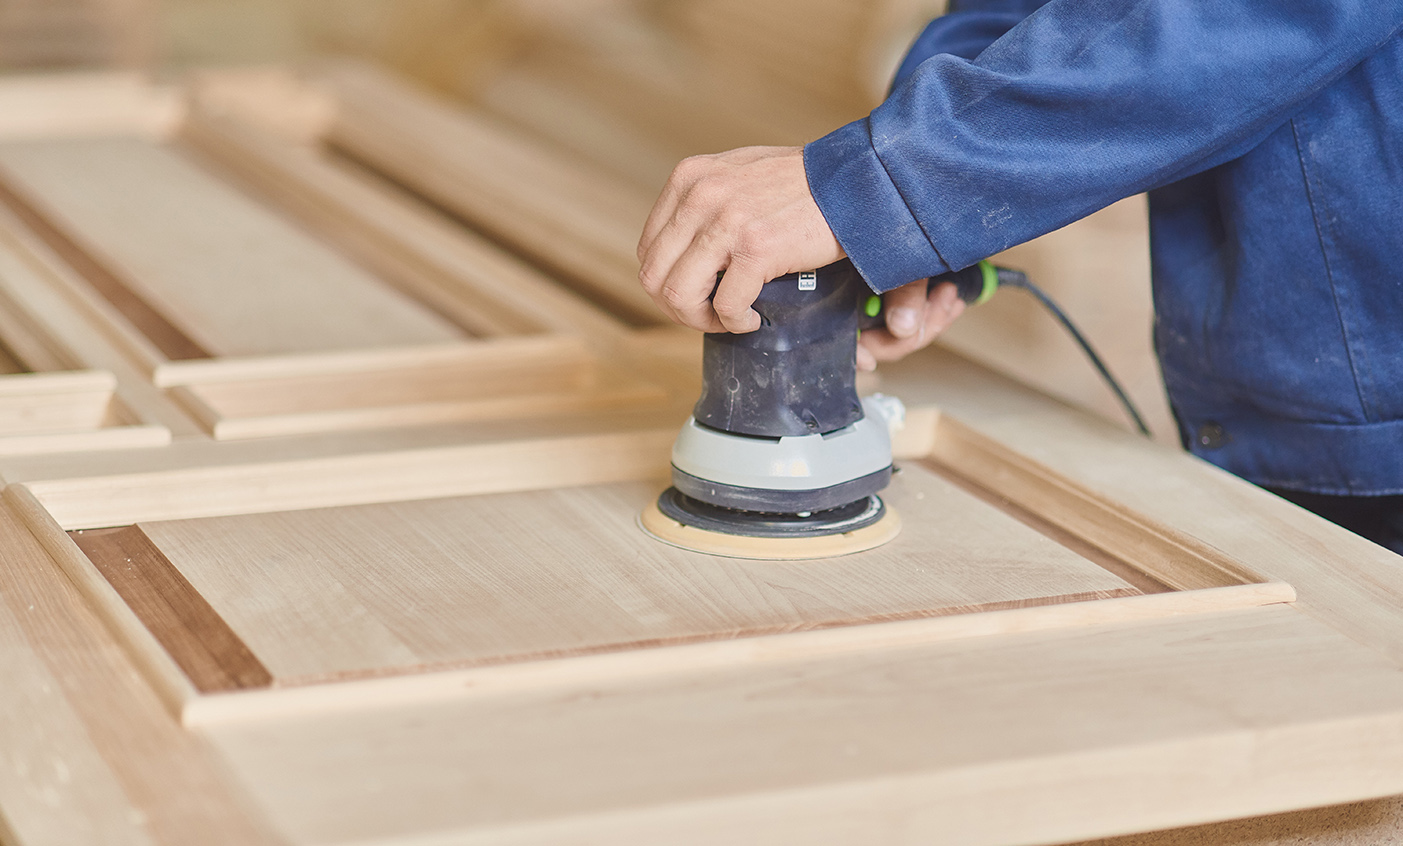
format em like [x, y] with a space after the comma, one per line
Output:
[50, 327]
[529, 377]
[86, 103]
[229, 276]
[952, 743]
[90, 753]
[464, 276]
[579, 221]
[368, 590]
[75, 401]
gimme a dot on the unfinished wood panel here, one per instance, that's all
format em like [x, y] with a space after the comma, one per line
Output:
[228, 275]
[464, 277]
[628, 95]
[48, 753]
[517, 387]
[705, 656]
[1342, 578]
[51, 398]
[575, 219]
[88, 103]
[389, 588]
[979, 742]
[1043, 498]
[32, 403]
[208, 479]
[527, 377]
[44, 322]
[155, 330]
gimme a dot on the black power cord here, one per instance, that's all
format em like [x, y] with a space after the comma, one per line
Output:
[1008, 278]
[978, 282]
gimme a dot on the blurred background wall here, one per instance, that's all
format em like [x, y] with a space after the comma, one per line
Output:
[634, 86]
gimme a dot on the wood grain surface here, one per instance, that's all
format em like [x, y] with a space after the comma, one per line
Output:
[461, 274]
[389, 588]
[225, 273]
[974, 743]
[157, 327]
[576, 220]
[91, 754]
[199, 640]
[524, 378]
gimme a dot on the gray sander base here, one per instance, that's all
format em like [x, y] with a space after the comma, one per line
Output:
[773, 501]
[755, 524]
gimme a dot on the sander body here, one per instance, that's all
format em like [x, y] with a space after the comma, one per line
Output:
[779, 445]
[780, 458]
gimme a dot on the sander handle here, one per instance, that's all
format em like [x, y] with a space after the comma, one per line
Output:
[975, 284]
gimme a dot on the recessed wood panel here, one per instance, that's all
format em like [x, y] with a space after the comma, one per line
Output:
[196, 266]
[398, 587]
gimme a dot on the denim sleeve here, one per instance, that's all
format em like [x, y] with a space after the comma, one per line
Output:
[965, 30]
[1081, 104]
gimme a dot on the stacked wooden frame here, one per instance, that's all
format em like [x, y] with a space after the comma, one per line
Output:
[350, 552]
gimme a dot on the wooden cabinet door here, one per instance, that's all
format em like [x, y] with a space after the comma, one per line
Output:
[384, 581]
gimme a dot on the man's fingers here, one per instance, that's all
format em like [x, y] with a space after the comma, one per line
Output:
[682, 178]
[687, 290]
[942, 299]
[905, 309]
[736, 293]
[942, 308]
[748, 210]
[660, 261]
[865, 360]
[659, 217]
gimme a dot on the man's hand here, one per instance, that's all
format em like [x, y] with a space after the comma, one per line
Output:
[913, 320]
[747, 212]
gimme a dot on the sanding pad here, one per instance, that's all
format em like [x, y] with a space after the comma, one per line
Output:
[670, 531]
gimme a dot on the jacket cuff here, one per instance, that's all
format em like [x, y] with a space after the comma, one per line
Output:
[872, 222]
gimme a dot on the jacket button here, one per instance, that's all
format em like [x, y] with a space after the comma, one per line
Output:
[1211, 435]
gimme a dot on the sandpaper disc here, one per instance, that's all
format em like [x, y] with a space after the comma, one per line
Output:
[670, 531]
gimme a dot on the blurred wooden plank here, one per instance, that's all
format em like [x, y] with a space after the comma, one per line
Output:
[576, 220]
[56, 34]
[533, 377]
[35, 403]
[87, 103]
[227, 274]
[467, 279]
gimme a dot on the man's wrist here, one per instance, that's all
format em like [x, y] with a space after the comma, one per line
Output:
[866, 211]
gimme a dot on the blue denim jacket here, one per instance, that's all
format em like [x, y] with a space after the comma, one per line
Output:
[1269, 134]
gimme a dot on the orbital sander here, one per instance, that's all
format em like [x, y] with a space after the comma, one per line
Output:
[780, 458]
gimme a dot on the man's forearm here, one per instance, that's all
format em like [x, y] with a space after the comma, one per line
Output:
[1085, 102]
